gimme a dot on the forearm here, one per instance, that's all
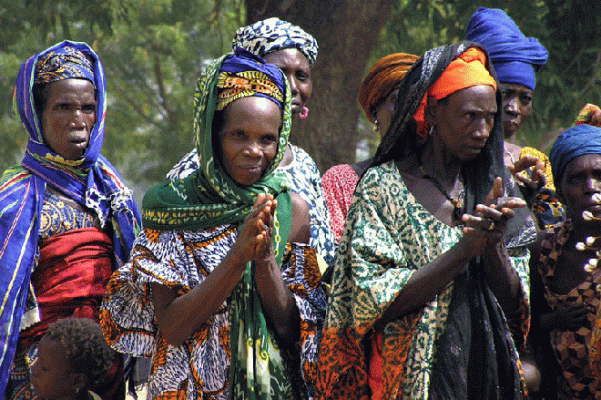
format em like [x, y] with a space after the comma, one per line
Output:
[278, 302]
[502, 278]
[179, 317]
[426, 283]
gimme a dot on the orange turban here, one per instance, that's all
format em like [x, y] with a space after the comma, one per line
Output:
[467, 70]
[382, 79]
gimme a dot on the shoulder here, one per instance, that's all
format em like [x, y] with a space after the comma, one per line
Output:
[13, 175]
[301, 221]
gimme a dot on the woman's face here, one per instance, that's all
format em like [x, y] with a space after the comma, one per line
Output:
[517, 106]
[385, 111]
[69, 117]
[249, 138]
[463, 121]
[51, 375]
[297, 69]
[579, 182]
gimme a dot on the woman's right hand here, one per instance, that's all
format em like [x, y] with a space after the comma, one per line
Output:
[254, 231]
[487, 225]
[566, 316]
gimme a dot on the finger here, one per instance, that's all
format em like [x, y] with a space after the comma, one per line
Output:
[523, 163]
[495, 192]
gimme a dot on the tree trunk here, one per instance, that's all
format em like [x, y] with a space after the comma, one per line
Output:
[346, 31]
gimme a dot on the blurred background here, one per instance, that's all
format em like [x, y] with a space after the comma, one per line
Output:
[153, 52]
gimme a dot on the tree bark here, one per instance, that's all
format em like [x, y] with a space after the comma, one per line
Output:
[346, 32]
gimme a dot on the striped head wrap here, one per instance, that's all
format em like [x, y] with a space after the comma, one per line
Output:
[246, 75]
[384, 77]
[272, 34]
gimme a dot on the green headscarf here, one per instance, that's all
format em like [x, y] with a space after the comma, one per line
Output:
[209, 197]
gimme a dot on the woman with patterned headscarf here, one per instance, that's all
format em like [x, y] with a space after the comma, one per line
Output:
[425, 288]
[565, 292]
[516, 59]
[377, 96]
[294, 51]
[67, 219]
[220, 290]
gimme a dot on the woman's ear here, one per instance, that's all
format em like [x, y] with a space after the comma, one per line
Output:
[431, 110]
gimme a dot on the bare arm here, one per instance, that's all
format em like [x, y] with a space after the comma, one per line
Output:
[179, 317]
[277, 300]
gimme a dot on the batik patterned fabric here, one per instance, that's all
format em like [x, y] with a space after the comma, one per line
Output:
[273, 34]
[90, 181]
[387, 237]
[338, 185]
[199, 368]
[305, 180]
[576, 379]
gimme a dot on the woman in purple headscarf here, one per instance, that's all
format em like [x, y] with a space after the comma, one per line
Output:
[67, 219]
[516, 59]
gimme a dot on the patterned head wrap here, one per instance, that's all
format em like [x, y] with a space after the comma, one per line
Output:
[572, 143]
[90, 181]
[64, 63]
[209, 197]
[467, 70]
[246, 75]
[590, 114]
[514, 56]
[272, 34]
[382, 79]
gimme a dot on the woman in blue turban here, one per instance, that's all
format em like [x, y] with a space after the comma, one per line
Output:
[565, 298]
[67, 218]
[516, 59]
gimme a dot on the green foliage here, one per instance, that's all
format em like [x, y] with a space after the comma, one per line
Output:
[152, 50]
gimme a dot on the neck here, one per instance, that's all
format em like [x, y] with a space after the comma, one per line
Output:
[437, 162]
[583, 229]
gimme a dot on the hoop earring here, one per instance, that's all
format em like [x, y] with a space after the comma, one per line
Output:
[304, 113]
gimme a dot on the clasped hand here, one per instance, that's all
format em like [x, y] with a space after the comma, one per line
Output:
[254, 242]
[487, 225]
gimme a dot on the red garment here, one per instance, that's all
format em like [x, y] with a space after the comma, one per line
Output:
[70, 277]
[338, 185]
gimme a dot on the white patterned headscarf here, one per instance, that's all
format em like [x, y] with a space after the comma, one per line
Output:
[272, 34]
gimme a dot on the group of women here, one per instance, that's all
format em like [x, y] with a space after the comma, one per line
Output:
[441, 286]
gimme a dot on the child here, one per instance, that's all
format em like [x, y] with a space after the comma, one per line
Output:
[72, 358]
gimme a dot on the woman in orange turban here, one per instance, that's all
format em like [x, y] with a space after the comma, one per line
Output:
[432, 266]
[377, 96]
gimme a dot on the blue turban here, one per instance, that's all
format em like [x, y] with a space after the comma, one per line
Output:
[272, 34]
[573, 142]
[514, 56]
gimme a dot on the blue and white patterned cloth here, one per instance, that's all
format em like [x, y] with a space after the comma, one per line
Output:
[273, 34]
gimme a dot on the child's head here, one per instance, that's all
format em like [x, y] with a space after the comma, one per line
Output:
[72, 358]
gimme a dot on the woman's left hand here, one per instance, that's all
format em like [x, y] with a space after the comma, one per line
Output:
[490, 219]
[264, 249]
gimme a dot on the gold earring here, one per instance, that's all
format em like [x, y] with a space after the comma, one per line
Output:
[375, 128]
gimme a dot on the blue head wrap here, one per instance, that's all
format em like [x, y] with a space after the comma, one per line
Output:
[244, 74]
[514, 56]
[90, 181]
[573, 142]
[273, 34]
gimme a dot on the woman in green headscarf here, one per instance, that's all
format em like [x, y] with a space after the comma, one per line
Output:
[218, 266]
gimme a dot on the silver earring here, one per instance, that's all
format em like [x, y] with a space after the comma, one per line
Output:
[431, 130]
